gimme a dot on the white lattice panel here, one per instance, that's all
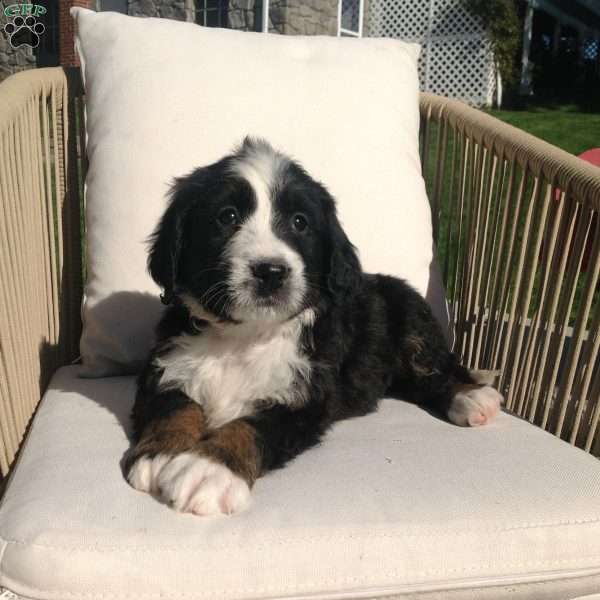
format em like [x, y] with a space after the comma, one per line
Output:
[456, 60]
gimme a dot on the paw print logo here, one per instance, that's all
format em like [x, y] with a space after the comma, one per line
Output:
[24, 31]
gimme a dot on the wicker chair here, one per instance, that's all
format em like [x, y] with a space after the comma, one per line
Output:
[515, 222]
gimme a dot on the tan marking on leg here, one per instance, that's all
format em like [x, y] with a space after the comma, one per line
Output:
[178, 432]
[234, 445]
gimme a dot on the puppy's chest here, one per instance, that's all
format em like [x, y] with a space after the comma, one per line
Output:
[230, 377]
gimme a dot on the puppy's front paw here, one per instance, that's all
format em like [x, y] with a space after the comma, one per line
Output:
[189, 482]
[143, 473]
[473, 406]
[196, 484]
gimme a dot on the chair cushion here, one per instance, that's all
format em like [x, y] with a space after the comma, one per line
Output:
[394, 503]
[163, 97]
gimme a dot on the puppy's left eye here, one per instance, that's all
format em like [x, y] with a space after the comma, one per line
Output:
[299, 222]
[228, 216]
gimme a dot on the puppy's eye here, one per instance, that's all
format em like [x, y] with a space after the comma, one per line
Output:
[228, 216]
[299, 222]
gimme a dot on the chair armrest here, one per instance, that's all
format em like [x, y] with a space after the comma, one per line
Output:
[40, 240]
[516, 226]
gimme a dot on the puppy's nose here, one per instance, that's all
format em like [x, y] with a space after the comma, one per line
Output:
[271, 275]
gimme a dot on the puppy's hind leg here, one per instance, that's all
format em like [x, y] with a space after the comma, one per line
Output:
[464, 398]
[474, 401]
[426, 372]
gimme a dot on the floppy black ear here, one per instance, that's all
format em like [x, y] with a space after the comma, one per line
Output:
[166, 240]
[344, 266]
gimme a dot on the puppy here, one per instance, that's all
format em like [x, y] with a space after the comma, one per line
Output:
[272, 333]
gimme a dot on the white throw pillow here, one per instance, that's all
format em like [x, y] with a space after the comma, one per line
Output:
[164, 97]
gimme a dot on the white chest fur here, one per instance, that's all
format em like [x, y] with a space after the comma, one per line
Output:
[229, 370]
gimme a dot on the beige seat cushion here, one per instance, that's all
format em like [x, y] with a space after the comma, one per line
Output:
[393, 503]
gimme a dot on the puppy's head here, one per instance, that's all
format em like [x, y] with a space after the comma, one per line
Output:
[252, 238]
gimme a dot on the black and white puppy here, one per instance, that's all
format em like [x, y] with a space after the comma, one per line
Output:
[273, 332]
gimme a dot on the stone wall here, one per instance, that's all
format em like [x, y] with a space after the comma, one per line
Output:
[241, 15]
[310, 17]
[12, 59]
[168, 9]
[294, 17]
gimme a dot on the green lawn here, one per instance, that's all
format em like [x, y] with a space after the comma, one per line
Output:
[574, 131]
[564, 126]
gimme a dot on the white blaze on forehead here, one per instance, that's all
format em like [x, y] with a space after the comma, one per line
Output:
[260, 165]
[264, 169]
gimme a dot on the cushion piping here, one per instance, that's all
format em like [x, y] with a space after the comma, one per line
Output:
[309, 539]
[405, 588]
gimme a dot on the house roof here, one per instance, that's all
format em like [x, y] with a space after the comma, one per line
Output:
[589, 4]
[578, 13]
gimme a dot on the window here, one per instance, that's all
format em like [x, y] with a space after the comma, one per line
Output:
[112, 5]
[212, 13]
[350, 18]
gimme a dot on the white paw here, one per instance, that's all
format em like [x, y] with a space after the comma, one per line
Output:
[195, 484]
[475, 406]
[143, 474]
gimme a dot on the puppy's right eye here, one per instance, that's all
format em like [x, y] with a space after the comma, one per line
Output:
[228, 216]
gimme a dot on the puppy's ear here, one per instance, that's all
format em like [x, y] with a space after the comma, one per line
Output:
[345, 272]
[166, 240]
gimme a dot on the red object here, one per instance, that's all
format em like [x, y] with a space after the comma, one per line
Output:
[592, 156]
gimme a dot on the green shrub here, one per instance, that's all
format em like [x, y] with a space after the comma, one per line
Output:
[502, 24]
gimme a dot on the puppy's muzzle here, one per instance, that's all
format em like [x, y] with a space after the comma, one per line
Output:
[270, 276]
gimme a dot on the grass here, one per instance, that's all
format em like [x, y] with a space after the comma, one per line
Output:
[565, 126]
[567, 130]
[568, 127]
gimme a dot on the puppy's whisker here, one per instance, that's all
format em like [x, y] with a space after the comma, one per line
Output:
[228, 304]
[215, 288]
[207, 292]
[210, 297]
[223, 296]
[220, 297]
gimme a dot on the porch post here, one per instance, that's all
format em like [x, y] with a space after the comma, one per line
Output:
[265, 16]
